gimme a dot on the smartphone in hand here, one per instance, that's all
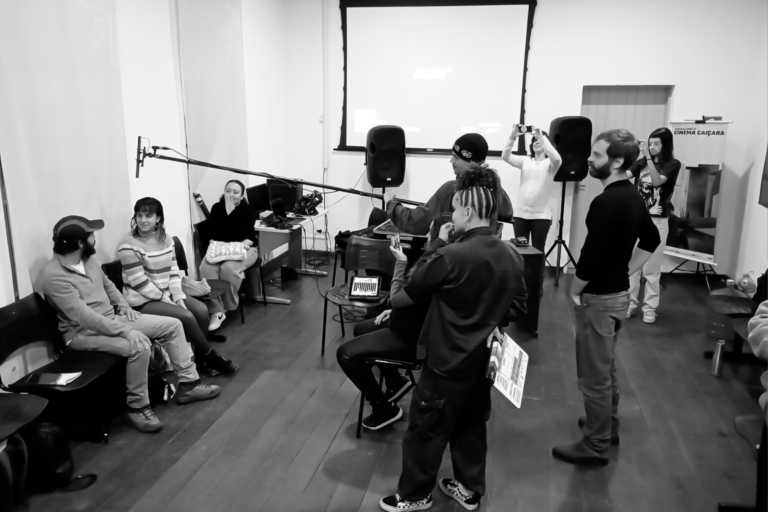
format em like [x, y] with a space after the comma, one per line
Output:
[395, 240]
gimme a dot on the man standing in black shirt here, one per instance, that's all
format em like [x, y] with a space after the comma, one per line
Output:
[617, 218]
[473, 284]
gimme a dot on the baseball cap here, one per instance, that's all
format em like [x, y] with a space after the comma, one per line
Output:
[74, 226]
[471, 147]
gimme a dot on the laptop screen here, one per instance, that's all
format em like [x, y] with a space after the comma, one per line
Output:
[278, 208]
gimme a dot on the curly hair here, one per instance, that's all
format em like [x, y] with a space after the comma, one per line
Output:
[148, 206]
[478, 187]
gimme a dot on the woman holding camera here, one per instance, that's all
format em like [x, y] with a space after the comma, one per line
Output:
[232, 220]
[655, 174]
[533, 216]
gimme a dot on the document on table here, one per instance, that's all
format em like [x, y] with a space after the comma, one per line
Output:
[507, 368]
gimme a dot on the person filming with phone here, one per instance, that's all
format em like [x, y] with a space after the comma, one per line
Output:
[533, 216]
[391, 335]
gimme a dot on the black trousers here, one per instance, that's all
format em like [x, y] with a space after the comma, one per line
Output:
[373, 341]
[536, 231]
[446, 411]
[194, 319]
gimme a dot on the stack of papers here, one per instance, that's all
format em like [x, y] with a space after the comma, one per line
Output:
[53, 379]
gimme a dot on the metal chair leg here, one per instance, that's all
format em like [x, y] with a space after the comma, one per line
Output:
[263, 289]
[360, 416]
[335, 259]
[325, 320]
[341, 319]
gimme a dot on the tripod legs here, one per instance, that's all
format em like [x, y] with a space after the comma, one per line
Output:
[560, 243]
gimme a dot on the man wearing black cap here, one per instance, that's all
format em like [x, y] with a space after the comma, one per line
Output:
[469, 149]
[85, 298]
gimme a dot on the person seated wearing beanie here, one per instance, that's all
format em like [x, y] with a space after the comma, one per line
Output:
[84, 299]
[469, 150]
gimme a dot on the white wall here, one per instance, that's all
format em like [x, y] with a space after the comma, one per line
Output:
[150, 91]
[753, 245]
[709, 50]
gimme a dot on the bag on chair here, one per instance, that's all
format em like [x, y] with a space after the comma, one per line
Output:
[225, 251]
[193, 288]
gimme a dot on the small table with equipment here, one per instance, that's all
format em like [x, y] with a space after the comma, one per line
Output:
[271, 238]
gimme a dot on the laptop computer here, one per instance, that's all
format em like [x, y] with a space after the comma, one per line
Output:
[278, 210]
[367, 288]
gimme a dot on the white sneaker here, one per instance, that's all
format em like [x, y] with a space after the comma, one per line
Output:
[631, 310]
[649, 317]
[216, 320]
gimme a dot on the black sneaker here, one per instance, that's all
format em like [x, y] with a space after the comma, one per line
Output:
[382, 414]
[203, 368]
[397, 389]
[452, 488]
[220, 363]
[395, 503]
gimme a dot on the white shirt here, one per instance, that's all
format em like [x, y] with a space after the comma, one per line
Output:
[536, 181]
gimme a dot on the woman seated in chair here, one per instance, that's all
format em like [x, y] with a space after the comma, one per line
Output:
[391, 335]
[232, 220]
[152, 283]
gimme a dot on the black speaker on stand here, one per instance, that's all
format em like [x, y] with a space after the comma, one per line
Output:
[385, 157]
[572, 137]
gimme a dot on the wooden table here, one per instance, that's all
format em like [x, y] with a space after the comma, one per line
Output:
[273, 238]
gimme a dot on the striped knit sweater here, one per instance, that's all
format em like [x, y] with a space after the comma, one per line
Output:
[149, 274]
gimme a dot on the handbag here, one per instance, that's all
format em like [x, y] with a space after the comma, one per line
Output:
[193, 288]
[225, 251]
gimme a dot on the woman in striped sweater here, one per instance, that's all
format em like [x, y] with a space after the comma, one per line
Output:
[152, 283]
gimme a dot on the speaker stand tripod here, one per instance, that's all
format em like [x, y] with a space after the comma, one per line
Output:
[559, 242]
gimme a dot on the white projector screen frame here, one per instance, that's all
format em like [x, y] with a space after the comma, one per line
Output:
[356, 143]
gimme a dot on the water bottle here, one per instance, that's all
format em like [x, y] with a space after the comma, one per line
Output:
[717, 359]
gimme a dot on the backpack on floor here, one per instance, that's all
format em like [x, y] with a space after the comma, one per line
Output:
[51, 467]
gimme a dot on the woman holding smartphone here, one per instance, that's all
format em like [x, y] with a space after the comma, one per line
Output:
[391, 335]
[533, 216]
[655, 174]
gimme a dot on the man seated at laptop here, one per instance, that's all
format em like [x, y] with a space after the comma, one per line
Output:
[468, 150]
[84, 299]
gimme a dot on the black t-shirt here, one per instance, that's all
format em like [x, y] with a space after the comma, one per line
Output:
[656, 199]
[616, 220]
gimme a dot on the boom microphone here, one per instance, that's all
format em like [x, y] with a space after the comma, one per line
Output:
[139, 162]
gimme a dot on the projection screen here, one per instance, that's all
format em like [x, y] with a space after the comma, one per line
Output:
[436, 69]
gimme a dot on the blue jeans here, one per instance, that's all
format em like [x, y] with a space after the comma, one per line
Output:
[598, 320]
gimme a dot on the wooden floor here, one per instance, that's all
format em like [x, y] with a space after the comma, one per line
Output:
[282, 434]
